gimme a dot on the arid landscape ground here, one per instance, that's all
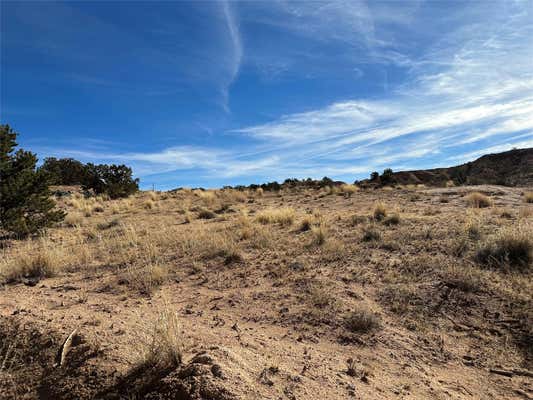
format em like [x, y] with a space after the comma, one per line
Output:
[333, 293]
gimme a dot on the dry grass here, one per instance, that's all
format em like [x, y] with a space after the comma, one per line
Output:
[407, 268]
[349, 190]
[319, 235]
[206, 243]
[204, 213]
[478, 200]
[371, 234]
[283, 216]
[162, 344]
[148, 204]
[362, 320]
[108, 224]
[525, 212]
[380, 211]
[528, 197]
[145, 279]
[44, 260]
[393, 219]
[512, 247]
[473, 228]
[333, 250]
[74, 220]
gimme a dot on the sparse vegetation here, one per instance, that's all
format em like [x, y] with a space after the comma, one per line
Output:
[528, 197]
[161, 346]
[380, 211]
[371, 234]
[362, 320]
[393, 219]
[204, 213]
[145, 279]
[284, 216]
[512, 247]
[319, 235]
[322, 274]
[478, 200]
[349, 190]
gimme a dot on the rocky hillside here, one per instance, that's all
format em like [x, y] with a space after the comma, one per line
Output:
[510, 168]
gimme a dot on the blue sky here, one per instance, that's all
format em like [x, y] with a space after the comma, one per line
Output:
[215, 93]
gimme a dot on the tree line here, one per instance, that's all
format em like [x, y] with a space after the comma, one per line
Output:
[26, 204]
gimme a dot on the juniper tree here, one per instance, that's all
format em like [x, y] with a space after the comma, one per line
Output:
[25, 203]
[114, 180]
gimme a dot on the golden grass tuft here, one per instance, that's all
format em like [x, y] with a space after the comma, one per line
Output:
[478, 200]
[148, 204]
[283, 216]
[74, 220]
[320, 234]
[349, 190]
[145, 279]
[393, 219]
[511, 247]
[204, 213]
[380, 211]
[42, 261]
[528, 197]
[161, 345]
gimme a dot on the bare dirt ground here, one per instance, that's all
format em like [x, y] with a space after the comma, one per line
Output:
[303, 294]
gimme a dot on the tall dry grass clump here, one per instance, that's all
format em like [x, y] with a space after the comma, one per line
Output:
[74, 220]
[283, 216]
[148, 204]
[161, 346]
[201, 242]
[528, 197]
[362, 320]
[145, 279]
[320, 234]
[478, 200]
[349, 190]
[380, 211]
[512, 247]
[42, 260]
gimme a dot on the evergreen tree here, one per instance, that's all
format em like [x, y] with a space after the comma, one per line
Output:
[387, 176]
[64, 171]
[113, 180]
[25, 203]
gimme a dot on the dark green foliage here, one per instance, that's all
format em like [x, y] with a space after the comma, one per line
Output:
[460, 174]
[387, 176]
[271, 186]
[114, 180]
[374, 176]
[65, 171]
[25, 203]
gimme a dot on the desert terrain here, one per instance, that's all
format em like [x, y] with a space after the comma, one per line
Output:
[332, 293]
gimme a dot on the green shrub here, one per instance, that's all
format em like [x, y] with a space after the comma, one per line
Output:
[25, 203]
[114, 180]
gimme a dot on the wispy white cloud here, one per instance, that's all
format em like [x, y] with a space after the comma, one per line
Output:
[236, 50]
[465, 91]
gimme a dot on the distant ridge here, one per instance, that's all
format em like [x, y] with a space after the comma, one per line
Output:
[510, 168]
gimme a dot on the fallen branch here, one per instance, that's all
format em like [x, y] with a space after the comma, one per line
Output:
[503, 372]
